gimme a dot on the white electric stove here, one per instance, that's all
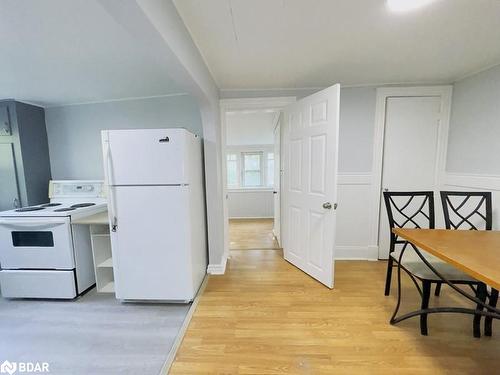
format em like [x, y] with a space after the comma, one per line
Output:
[44, 255]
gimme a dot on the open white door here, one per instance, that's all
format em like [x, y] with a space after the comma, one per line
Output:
[310, 152]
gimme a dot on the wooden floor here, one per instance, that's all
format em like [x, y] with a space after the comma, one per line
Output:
[264, 316]
[245, 234]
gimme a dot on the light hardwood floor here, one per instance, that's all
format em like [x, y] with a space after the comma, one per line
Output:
[264, 316]
[245, 234]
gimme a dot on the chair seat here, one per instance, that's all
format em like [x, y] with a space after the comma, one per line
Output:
[412, 262]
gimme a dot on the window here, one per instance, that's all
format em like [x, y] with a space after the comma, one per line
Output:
[270, 169]
[252, 169]
[232, 170]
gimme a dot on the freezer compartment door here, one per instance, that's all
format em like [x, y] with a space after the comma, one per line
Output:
[150, 246]
[146, 157]
[37, 284]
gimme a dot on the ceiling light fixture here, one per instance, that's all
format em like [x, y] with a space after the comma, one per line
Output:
[406, 5]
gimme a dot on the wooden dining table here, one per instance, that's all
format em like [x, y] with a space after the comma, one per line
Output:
[476, 253]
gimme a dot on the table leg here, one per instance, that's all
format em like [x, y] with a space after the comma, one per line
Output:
[482, 309]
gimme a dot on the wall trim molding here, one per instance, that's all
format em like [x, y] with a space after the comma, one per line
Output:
[218, 269]
[125, 99]
[356, 253]
[354, 178]
[470, 180]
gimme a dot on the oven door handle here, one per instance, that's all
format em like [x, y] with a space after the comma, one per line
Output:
[30, 225]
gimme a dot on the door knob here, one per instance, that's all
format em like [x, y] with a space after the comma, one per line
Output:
[327, 206]
[275, 192]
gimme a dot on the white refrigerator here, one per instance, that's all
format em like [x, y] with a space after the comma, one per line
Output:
[156, 209]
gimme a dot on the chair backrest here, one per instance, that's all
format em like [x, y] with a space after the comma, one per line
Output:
[409, 210]
[467, 210]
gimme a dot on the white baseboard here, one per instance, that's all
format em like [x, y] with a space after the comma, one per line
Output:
[373, 252]
[218, 269]
[355, 253]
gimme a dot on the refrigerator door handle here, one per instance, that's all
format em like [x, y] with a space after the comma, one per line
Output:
[109, 170]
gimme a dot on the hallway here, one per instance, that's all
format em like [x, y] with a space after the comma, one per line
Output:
[251, 234]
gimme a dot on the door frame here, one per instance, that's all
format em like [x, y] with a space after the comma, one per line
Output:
[445, 92]
[277, 127]
[242, 104]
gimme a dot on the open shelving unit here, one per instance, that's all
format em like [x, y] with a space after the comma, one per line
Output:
[103, 260]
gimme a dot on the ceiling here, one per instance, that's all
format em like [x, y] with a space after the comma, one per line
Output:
[58, 52]
[264, 44]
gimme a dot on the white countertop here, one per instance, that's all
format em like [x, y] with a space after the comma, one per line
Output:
[98, 219]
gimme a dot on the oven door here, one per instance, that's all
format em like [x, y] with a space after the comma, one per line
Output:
[36, 243]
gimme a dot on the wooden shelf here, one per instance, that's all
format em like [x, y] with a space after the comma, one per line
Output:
[108, 288]
[107, 263]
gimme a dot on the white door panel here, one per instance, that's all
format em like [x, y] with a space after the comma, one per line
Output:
[310, 181]
[410, 152]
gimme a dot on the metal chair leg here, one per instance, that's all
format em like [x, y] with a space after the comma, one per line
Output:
[389, 276]
[438, 289]
[426, 295]
[488, 321]
[481, 295]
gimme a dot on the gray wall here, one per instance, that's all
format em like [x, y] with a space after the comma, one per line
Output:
[474, 137]
[74, 131]
[357, 118]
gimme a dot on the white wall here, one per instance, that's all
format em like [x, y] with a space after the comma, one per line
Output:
[473, 160]
[251, 203]
[357, 118]
[74, 132]
[254, 128]
[474, 138]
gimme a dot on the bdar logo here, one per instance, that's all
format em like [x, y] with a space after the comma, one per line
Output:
[8, 368]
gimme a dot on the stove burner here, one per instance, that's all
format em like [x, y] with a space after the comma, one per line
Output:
[27, 209]
[50, 204]
[81, 205]
[64, 209]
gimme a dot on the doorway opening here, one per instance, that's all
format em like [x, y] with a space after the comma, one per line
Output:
[304, 191]
[252, 178]
[252, 172]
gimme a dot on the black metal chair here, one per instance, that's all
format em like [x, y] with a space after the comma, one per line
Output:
[470, 211]
[416, 210]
